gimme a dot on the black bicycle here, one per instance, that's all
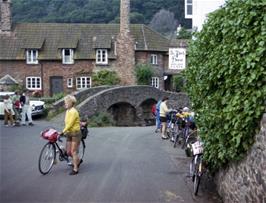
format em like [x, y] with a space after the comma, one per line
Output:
[196, 165]
[48, 155]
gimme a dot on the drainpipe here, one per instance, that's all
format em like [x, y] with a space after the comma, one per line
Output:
[42, 78]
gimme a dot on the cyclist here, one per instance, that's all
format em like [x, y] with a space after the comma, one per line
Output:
[163, 112]
[72, 132]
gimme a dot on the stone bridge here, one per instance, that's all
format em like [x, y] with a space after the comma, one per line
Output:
[128, 105]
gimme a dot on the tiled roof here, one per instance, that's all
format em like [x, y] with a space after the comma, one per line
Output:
[84, 38]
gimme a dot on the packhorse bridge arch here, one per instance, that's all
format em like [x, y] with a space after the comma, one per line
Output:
[129, 105]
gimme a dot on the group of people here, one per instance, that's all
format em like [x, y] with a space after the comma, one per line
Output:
[162, 112]
[16, 108]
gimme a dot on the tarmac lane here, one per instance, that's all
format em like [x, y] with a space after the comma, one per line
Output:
[121, 164]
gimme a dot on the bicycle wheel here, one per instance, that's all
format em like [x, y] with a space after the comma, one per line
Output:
[184, 137]
[177, 133]
[192, 169]
[196, 184]
[81, 149]
[47, 158]
[197, 175]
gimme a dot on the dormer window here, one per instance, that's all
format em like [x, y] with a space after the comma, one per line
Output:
[67, 56]
[154, 59]
[101, 56]
[32, 56]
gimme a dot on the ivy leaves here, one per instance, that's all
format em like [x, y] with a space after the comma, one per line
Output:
[226, 79]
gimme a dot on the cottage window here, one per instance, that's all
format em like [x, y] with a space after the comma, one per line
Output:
[154, 59]
[67, 56]
[155, 82]
[83, 82]
[188, 8]
[69, 82]
[33, 83]
[101, 56]
[32, 56]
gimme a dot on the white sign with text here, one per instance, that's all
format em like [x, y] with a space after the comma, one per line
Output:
[177, 58]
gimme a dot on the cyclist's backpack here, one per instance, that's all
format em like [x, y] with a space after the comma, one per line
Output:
[84, 132]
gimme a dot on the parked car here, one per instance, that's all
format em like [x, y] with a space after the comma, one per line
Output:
[37, 107]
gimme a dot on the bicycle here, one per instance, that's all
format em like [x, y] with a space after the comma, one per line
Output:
[196, 165]
[48, 154]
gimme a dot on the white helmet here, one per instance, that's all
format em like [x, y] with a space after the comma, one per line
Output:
[185, 109]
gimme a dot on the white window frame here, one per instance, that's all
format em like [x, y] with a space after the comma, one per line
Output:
[102, 56]
[155, 82]
[83, 82]
[69, 82]
[33, 83]
[154, 59]
[68, 59]
[32, 56]
[188, 4]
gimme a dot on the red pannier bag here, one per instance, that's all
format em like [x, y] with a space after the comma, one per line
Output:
[50, 134]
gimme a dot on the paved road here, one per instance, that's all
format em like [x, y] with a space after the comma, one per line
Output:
[121, 165]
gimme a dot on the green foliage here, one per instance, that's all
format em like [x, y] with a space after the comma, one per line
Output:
[101, 120]
[144, 74]
[105, 77]
[226, 79]
[92, 11]
[178, 83]
[19, 88]
[184, 34]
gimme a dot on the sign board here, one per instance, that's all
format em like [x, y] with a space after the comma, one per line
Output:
[177, 58]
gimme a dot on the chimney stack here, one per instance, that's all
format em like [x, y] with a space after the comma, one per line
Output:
[124, 16]
[125, 47]
[5, 16]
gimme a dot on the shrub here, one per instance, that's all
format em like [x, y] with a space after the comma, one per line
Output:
[100, 120]
[105, 77]
[178, 83]
[226, 79]
[144, 74]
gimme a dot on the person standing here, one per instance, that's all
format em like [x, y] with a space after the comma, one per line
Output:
[8, 111]
[163, 113]
[72, 132]
[158, 123]
[26, 109]
[16, 106]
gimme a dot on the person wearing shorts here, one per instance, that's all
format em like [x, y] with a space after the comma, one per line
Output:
[163, 112]
[72, 132]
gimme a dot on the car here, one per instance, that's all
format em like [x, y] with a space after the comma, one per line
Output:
[37, 107]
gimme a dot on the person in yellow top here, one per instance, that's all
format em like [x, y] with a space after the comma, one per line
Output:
[72, 132]
[163, 111]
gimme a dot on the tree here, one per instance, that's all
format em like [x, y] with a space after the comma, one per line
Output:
[163, 21]
[144, 74]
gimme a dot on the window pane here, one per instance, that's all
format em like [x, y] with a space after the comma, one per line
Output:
[189, 9]
[67, 52]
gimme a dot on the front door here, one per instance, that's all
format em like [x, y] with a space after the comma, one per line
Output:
[56, 84]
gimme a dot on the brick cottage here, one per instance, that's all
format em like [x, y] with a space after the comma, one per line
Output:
[60, 57]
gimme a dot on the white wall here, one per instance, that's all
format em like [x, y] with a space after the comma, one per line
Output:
[201, 8]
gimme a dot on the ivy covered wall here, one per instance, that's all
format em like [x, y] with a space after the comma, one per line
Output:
[226, 79]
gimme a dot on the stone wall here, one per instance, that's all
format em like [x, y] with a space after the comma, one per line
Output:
[245, 181]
